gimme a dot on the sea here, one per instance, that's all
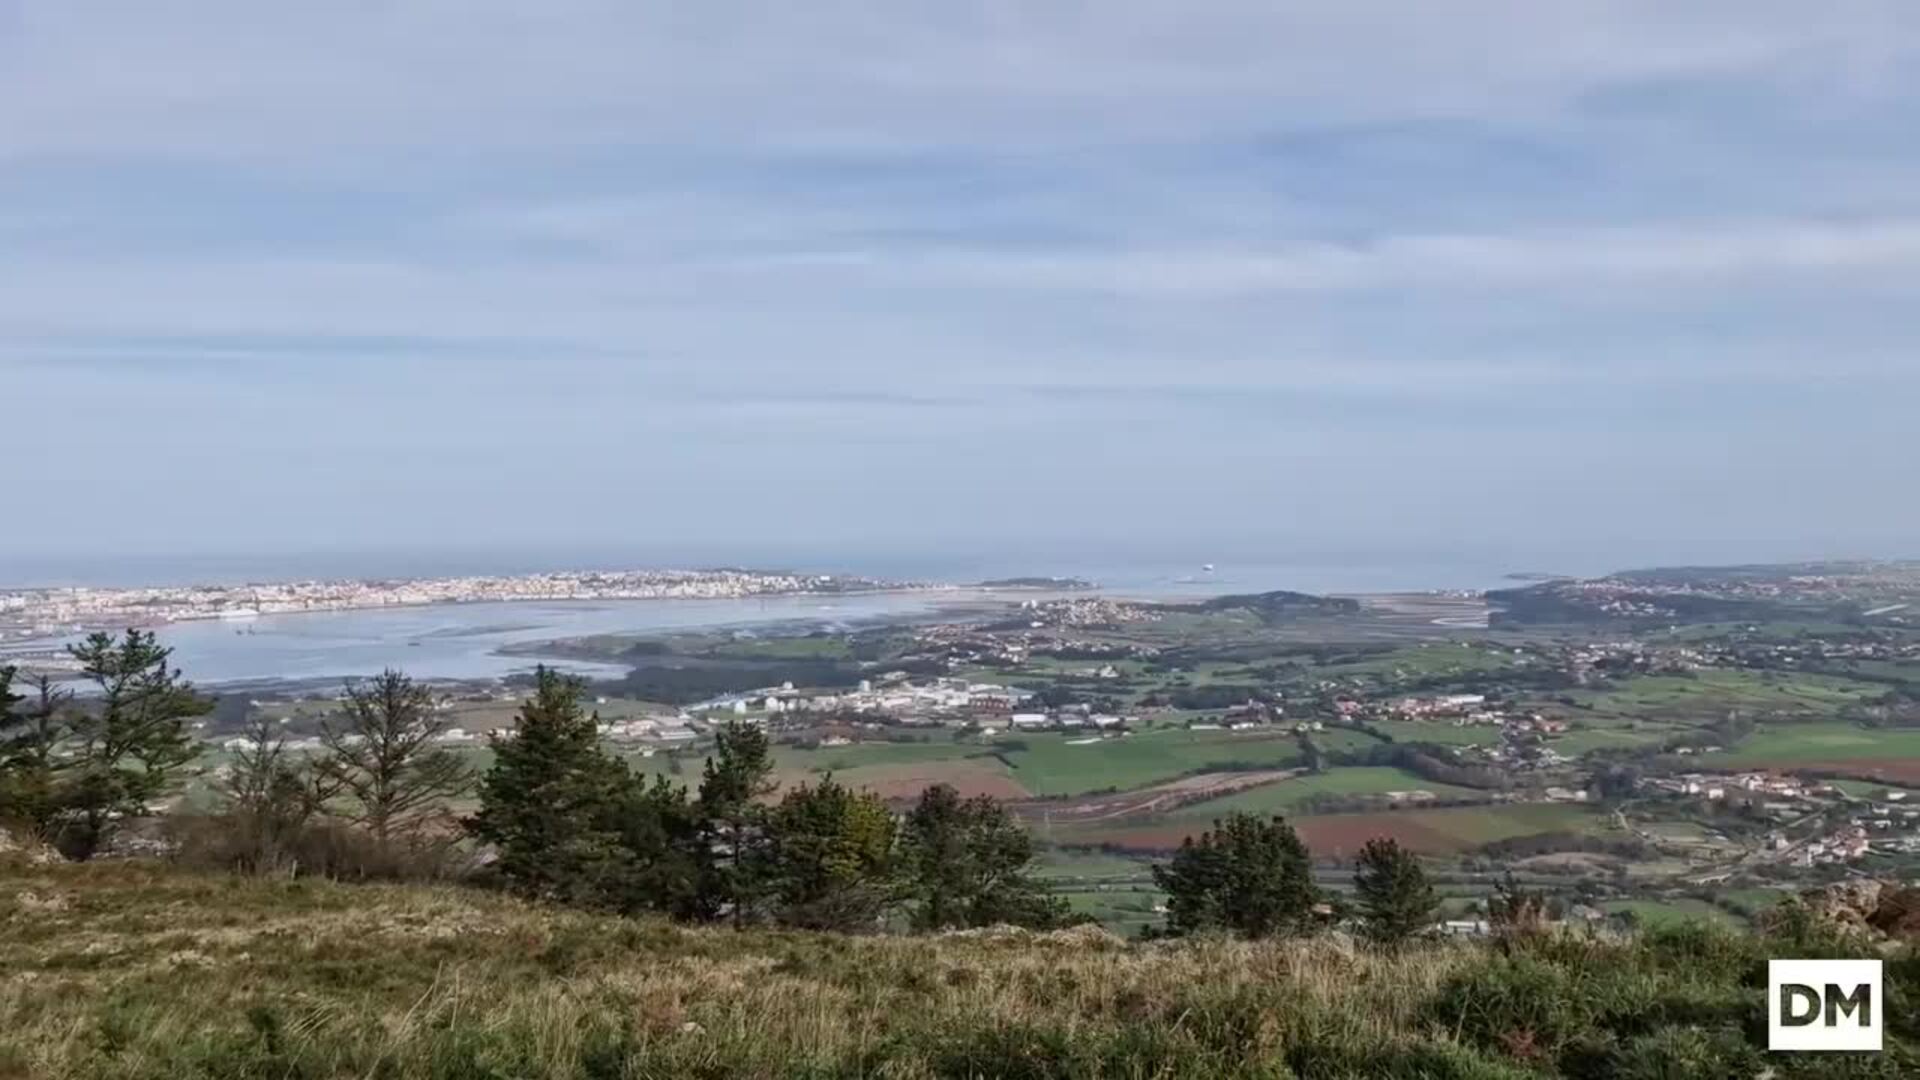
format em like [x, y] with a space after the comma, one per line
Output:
[465, 641]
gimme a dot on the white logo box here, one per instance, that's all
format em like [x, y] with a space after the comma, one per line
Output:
[1824, 1005]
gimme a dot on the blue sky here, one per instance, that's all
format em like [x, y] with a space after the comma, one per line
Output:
[1578, 284]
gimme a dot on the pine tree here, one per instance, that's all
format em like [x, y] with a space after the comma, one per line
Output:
[733, 822]
[131, 742]
[830, 858]
[544, 803]
[385, 759]
[568, 821]
[16, 755]
[1248, 875]
[8, 699]
[967, 862]
[35, 778]
[661, 845]
[1395, 898]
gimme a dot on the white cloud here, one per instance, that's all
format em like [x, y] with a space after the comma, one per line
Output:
[649, 295]
[235, 79]
[1654, 258]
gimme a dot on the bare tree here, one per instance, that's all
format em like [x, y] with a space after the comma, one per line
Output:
[270, 798]
[383, 755]
[1516, 912]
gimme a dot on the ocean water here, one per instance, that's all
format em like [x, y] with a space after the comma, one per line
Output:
[462, 641]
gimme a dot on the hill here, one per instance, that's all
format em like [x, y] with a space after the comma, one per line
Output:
[129, 969]
[1268, 607]
[1036, 582]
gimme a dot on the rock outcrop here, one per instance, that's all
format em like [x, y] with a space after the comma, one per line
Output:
[1867, 907]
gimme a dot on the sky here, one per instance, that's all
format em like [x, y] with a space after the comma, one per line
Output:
[1564, 286]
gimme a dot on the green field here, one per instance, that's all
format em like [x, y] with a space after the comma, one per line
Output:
[1287, 794]
[1872, 789]
[1907, 671]
[1047, 765]
[1474, 825]
[1753, 900]
[1440, 732]
[1205, 674]
[1056, 862]
[1680, 832]
[1124, 910]
[1114, 889]
[1789, 744]
[825, 759]
[786, 648]
[1051, 666]
[1426, 661]
[1343, 740]
[860, 755]
[1706, 696]
[1576, 743]
[1777, 630]
[1441, 831]
[1683, 909]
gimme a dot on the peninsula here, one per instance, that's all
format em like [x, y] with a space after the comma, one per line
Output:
[36, 612]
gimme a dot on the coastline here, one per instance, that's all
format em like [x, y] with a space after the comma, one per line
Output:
[111, 609]
[485, 641]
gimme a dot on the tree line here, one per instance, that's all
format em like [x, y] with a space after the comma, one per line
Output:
[1253, 877]
[561, 819]
[70, 775]
[77, 769]
[570, 822]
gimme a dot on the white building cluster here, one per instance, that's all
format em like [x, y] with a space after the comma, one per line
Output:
[937, 702]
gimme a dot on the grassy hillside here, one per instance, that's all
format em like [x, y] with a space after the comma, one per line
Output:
[127, 970]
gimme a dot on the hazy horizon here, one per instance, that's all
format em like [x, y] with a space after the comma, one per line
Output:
[1367, 570]
[1571, 287]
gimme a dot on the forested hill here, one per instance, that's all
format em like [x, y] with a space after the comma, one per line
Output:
[1270, 606]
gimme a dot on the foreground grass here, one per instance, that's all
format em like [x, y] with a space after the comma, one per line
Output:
[144, 971]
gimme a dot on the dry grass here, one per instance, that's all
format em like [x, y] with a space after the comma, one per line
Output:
[145, 971]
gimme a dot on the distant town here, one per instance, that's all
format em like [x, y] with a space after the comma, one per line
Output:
[45, 612]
